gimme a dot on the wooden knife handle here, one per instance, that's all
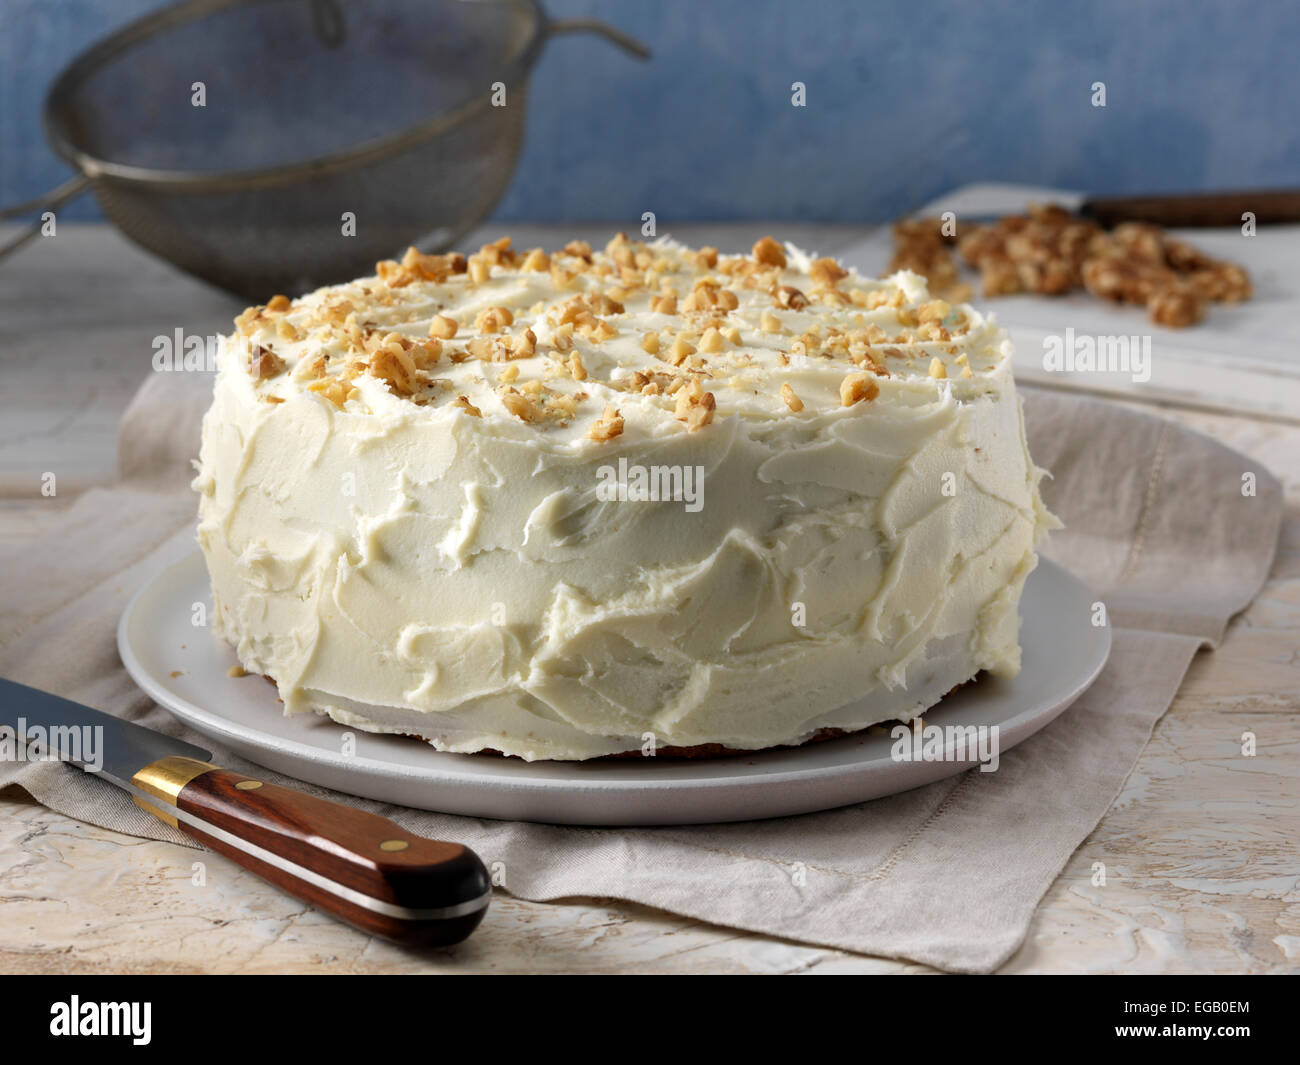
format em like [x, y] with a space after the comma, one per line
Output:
[358, 866]
[1269, 206]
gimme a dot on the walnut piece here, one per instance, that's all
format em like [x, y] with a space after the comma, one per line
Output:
[858, 388]
[791, 298]
[769, 253]
[264, 363]
[695, 407]
[608, 426]
[1049, 251]
[827, 272]
[443, 327]
[521, 406]
[493, 319]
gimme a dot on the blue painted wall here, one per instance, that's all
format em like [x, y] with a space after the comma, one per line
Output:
[904, 100]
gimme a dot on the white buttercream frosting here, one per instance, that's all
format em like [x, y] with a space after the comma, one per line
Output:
[396, 561]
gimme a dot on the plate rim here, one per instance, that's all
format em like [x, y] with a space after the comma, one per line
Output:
[710, 774]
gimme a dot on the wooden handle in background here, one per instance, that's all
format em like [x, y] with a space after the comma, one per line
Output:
[358, 866]
[1269, 206]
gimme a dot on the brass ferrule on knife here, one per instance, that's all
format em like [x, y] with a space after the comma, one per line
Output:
[164, 779]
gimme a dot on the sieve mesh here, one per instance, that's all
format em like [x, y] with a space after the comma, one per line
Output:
[313, 109]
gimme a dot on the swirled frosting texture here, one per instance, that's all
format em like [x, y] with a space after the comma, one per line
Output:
[407, 560]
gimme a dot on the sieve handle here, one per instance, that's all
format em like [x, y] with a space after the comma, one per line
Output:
[69, 189]
[593, 25]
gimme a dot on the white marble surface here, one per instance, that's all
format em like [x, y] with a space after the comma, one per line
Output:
[1202, 848]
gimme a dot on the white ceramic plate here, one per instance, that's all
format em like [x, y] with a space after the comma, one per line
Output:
[186, 669]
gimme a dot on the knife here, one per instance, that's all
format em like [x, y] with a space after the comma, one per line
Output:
[1187, 209]
[985, 204]
[357, 866]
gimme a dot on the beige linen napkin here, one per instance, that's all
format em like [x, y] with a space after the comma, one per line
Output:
[949, 874]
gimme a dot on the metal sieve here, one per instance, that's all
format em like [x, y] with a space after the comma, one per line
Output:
[277, 145]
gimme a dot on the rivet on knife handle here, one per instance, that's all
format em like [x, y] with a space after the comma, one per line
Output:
[358, 866]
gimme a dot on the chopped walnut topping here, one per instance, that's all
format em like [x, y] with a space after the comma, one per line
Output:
[394, 365]
[246, 320]
[600, 303]
[706, 258]
[858, 388]
[711, 341]
[537, 261]
[716, 310]
[578, 248]
[596, 329]
[562, 338]
[791, 298]
[498, 253]
[934, 311]
[278, 304]
[335, 389]
[416, 266]
[609, 426]
[806, 344]
[695, 407]
[827, 272]
[493, 319]
[426, 353]
[464, 404]
[264, 363]
[680, 350]
[769, 253]
[560, 277]
[443, 327]
[937, 368]
[521, 406]
[312, 368]
[523, 345]
[336, 311]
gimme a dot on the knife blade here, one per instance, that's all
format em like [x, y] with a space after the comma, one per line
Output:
[354, 865]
